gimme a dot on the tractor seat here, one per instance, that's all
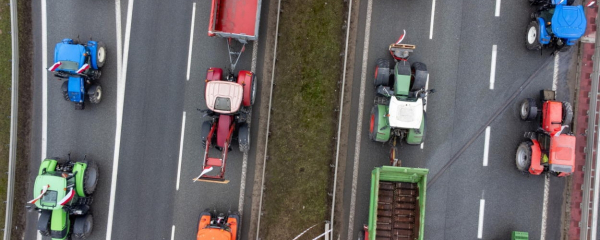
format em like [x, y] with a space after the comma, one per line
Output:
[223, 96]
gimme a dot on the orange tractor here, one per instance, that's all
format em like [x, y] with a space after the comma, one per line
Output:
[551, 148]
[213, 226]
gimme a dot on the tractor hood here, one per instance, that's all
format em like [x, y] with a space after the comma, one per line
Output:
[69, 52]
[76, 89]
[406, 114]
[213, 234]
[56, 191]
[568, 22]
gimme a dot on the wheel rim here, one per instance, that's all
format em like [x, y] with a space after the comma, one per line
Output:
[525, 109]
[98, 93]
[531, 35]
[522, 158]
[101, 54]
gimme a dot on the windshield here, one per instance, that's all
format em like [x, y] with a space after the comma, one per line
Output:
[49, 199]
[68, 66]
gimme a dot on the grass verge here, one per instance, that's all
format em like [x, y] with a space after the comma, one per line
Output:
[303, 121]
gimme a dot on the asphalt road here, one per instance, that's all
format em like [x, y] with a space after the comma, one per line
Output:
[459, 63]
[147, 204]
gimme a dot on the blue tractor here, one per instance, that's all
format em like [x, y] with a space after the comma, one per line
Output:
[80, 65]
[555, 24]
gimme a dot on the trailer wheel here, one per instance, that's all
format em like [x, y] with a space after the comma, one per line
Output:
[419, 71]
[382, 73]
[523, 156]
[528, 109]
[373, 124]
[90, 178]
[83, 226]
[533, 36]
[65, 90]
[567, 113]
[95, 93]
[244, 138]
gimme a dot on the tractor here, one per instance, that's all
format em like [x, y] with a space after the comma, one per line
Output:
[213, 226]
[229, 103]
[399, 110]
[555, 24]
[550, 148]
[80, 65]
[63, 195]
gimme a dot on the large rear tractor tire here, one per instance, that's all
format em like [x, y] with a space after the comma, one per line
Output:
[523, 157]
[533, 36]
[567, 113]
[382, 73]
[95, 93]
[83, 226]
[528, 109]
[244, 138]
[90, 178]
[419, 71]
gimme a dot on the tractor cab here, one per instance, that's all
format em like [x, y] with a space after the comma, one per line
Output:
[223, 96]
[405, 114]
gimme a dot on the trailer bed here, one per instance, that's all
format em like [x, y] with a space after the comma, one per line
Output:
[235, 19]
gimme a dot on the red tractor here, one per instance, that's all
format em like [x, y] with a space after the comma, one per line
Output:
[229, 103]
[551, 148]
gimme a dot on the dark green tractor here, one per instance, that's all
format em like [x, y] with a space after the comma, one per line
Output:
[62, 194]
[399, 110]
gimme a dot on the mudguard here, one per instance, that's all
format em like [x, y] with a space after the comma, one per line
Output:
[381, 128]
[43, 224]
[246, 78]
[402, 77]
[79, 171]
[536, 167]
[234, 223]
[417, 136]
[93, 48]
[544, 37]
[214, 74]
[49, 165]
[59, 225]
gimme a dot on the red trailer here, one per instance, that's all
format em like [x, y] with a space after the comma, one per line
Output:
[235, 20]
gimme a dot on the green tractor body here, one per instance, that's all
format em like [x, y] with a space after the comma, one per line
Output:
[62, 192]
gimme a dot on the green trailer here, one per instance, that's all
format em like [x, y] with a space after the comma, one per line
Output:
[397, 205]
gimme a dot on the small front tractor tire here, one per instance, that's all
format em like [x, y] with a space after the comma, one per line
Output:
[90, 178]
[533, 36]
[83, 226]
[65, 90]
[419, 71]
[382, 73]
[523, 156]
[528, 109]
[100, 55]
[244, 138]
[567, 113]
[95, 93]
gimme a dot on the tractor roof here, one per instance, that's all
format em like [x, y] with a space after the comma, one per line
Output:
[405, 114]
[56, 190]
[223, 96]
[569, 21]
[213, 234]
[562, 152]
[69, 52]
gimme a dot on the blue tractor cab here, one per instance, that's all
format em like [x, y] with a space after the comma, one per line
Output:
[80, 65]
[555, 24]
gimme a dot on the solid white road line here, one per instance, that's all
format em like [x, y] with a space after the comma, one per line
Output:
[497, 14]
[545, 206]
[361, 103]
[431, 22]
[121, 80]
[555, 75]
[180, 151]
[191, 42]
[486, 146]
[44, 87]
[493, 68]
[173, 232]
[480, 225]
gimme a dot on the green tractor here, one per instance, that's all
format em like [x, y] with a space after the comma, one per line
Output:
[399, 110]
[62, 194]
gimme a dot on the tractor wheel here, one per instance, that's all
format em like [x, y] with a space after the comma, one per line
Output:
[374, 125]
[100, 55]
[567, 113]
[419, 71]
[533, 36]
[253, 96]
[523, 156]
[95, 93]
[44, 222]
[528, 109]
[65, 90]
[244, 138]
[204, 131]
[83, 226]
[382, 73]
[90, 178]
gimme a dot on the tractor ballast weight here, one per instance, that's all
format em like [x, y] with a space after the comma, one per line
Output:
[62, 192]
[555, 23]
[80, 65]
